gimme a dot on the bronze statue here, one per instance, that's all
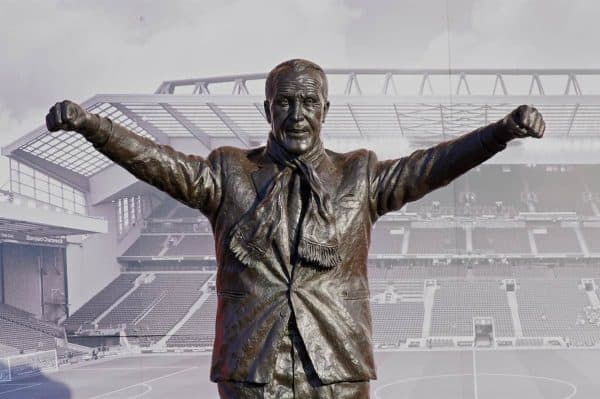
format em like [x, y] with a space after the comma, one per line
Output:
[292, 225]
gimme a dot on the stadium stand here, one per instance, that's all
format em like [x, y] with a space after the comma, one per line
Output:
[184, 291]
[199, 329]
[193, 245]
[24, 339]
[592, 238]
[561, 240]
[437, 240]
[457, 302]
[507, 188]
[542, 182]
[101, 301]
[394, 323]
[178, 291]
[26, 319]
[500, 241]
[386, 239]
[146, 245]
[554, 308]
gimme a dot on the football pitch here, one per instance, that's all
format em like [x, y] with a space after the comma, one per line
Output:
[451, 374]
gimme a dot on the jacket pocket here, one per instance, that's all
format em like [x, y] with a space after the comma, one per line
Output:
[232, 294]
[350, 295]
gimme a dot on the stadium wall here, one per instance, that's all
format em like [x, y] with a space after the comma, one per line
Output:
[22, 278]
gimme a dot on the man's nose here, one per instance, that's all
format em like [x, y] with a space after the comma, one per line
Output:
[297, 113]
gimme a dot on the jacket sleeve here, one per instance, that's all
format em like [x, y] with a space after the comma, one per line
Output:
[190, 179]
[398, 181]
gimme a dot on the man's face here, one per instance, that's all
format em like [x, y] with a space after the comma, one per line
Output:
[296, 110]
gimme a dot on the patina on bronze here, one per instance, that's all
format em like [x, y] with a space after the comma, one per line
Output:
[292, 225]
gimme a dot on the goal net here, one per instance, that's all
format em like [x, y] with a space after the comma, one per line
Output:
[19, 366]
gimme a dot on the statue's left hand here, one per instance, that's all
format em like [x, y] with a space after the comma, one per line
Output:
[526, 121]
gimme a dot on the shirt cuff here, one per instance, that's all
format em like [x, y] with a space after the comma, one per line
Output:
[100, 135]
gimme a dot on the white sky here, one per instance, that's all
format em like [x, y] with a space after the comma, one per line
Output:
[56, 49]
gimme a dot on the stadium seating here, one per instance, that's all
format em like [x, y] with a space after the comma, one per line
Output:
[492, 271]
[561, 240]
[490, 184]
[383, 242]
[158, 304]
[500, 241]
[199, 329]
[394, 323]
[101, 301]
[554, 308]
[456, 303]
[592, 238]
[569, 198]
[184, 292]
[193, 245]
[146, 245]
[437, 241]
[26, 319]
[23, 338]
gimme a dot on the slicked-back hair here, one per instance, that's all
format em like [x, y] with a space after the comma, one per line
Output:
[296, 65]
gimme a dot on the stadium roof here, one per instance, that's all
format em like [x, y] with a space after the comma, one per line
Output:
[422, 106]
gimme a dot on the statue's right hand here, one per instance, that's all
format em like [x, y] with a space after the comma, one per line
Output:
[67, 115]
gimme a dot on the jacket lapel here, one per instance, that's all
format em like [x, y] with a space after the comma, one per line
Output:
[264, 174]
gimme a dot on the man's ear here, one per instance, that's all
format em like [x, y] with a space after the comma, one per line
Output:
[267, 106]
[325, 110]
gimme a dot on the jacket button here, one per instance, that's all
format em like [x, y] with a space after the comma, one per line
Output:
[283, 313]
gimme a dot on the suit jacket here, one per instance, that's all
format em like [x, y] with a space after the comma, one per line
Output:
[331, 307]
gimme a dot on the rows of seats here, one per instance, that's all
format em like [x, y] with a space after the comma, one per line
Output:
[546, 198]
[591, 236]
[385, 239]
[531, 271]
[146, 245]
[24, 339]
[101, 301]
[576, 271]
[557, 240]
[193, 245]
[27, 319]
[199, 329]
[500, 241]
[456, 303]
[168, 287]
[507, 187]
[555, 308]
[437, 241]
[417, 272]
[492, 271]
[394, 323]
[184, 291]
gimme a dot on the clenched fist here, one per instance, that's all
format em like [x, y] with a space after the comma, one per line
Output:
[68, 115]
[525, 121]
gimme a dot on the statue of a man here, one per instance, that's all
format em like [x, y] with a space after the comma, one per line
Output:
[292, 226]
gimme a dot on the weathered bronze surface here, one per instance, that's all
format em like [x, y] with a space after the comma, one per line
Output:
[292, 221]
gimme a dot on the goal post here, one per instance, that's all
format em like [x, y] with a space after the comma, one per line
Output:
[19, 366]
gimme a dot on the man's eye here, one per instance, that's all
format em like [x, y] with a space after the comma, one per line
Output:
[310, 101]
[282, 101]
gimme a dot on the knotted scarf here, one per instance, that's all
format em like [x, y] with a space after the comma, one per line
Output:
[251, 238]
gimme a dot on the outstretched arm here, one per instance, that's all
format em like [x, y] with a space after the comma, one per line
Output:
[396, 182]
[191, 179]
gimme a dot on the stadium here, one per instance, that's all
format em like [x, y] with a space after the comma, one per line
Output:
[486, 288]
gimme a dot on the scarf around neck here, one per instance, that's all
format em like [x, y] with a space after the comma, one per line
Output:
[251, 238]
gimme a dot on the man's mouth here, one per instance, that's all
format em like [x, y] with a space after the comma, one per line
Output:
[297, 132]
